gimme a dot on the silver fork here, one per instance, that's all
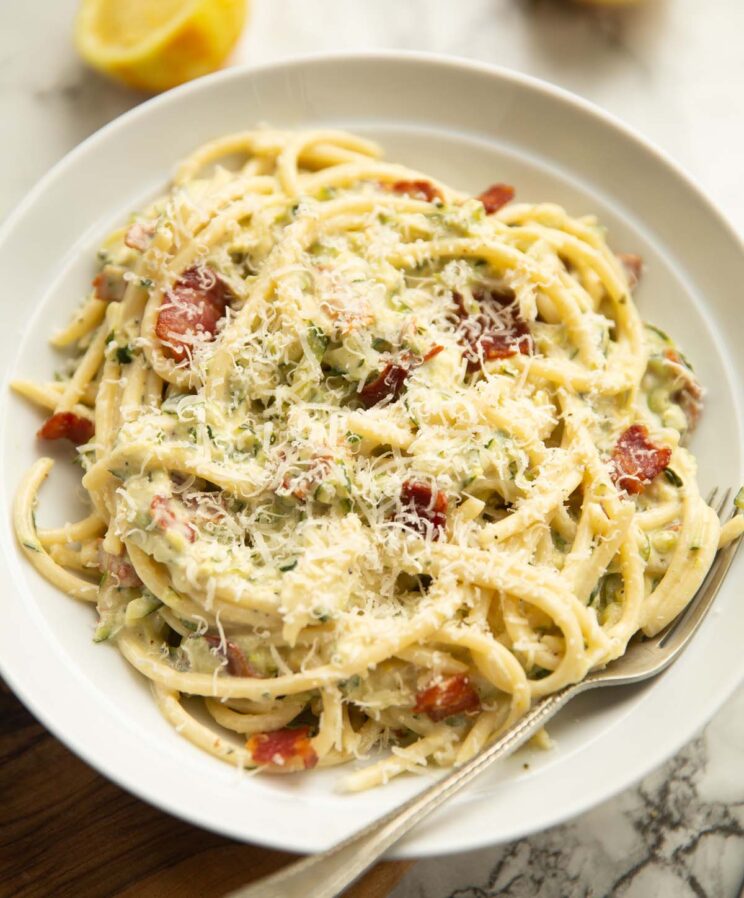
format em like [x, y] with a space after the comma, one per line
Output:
[328, 874]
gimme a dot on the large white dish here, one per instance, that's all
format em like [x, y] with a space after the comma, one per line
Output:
[471, 125]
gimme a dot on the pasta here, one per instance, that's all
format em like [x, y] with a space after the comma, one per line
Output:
[372, 463]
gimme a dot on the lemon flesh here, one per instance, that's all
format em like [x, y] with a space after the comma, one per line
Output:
[156, 44]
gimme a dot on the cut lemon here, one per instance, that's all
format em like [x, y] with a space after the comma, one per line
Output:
[156, 44]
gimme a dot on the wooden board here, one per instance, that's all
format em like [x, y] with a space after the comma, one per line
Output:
[67, 831]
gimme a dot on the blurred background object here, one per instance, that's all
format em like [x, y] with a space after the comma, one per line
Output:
[153, 45]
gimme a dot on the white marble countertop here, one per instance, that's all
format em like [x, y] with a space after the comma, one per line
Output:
[674, 69]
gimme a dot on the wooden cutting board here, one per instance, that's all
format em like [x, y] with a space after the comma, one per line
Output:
[66, 831]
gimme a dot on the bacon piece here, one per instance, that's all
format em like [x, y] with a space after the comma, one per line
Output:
[285, 750]
[389, 382]
[138, 236]
[496, 196]
[109, 284]
[689, 397]
[417, 190]
[68, 426]
[192, 308]
[633, 266]
[636, 461]
[452, 695]
[434, 351]
[165, 518]
[497, 331]
[237, 664]
[424, 508]
[119, 568]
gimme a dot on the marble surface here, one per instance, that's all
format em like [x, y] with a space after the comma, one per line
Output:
[674, 69]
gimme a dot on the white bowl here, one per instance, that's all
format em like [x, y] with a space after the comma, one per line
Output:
[471, 125]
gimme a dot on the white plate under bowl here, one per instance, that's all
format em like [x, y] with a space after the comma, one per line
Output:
[470, 125]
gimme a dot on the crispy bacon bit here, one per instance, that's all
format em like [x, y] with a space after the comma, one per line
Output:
[138, 236]
[497, 331]
[165, 518]
[118, 568]
[389, 382]
[636, 461]
[109, 284]
[633, 267]
[192, 308]
[237, 664]
[417, 190]
[68, 426]
[689, 396]
[286, 750]
[495, 197]
[424, 508]
[434, 351]
[452, 695]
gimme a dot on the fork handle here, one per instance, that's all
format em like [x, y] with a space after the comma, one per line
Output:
[326, 875]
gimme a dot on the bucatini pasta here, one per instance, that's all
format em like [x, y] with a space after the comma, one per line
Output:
[371, 462]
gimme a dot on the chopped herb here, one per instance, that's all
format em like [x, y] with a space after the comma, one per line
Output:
[685, 361]
[146, 283]
[659, 332]
[381, 345]
[290, 566]
[354, 682]
[32, 546]
[124, 355]
[210, 434]
[102, 633]
[673, 477]
[318, 341]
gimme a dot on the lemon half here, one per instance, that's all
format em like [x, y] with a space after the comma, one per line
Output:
[156, 44]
